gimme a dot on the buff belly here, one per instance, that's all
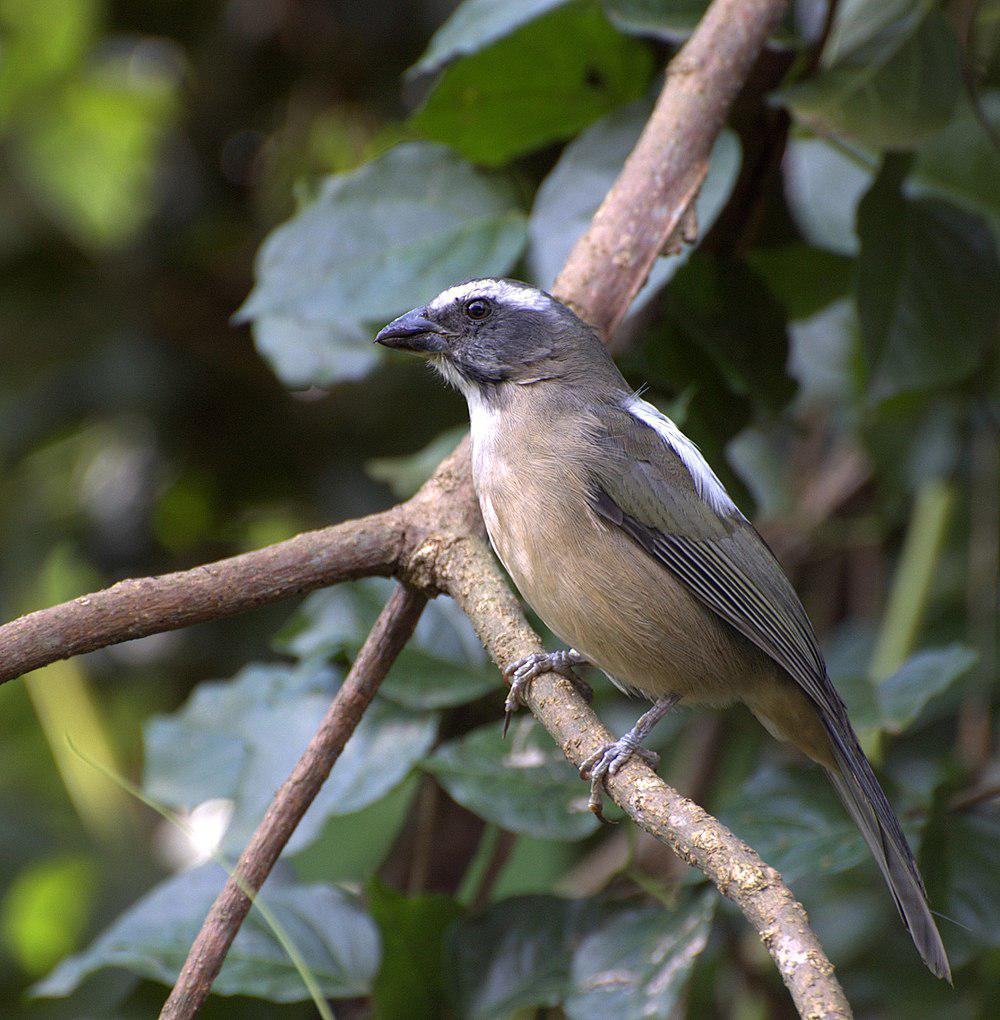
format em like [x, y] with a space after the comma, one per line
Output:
[606, 597]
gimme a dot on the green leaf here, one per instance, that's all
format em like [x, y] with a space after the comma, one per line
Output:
[476, 24]
[370, 245]
[516, 955]
[411, 982]
[926, 291]
[823, 185]
[337, 939]
[593, 959]
[90, 155]
[795, 822]
[233, 726]
[543, 83]
[523, 783]
[404, 475]
[443, 665]
[669, 20]
[588, 166]
[638, 963]
[889, 76]
[902, 696]
[803, 278]
[962, 163]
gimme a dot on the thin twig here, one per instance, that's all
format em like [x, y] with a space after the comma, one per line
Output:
[388, 636]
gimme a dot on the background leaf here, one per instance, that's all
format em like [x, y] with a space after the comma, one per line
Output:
[889, 75]
[902, 696]
[517, 954]
[337, 939]
[412, 980]
[476, 24]
[638, 963]
[235, 724]
[927, 300]
[523, 783]
[539, 85]
[370, 245]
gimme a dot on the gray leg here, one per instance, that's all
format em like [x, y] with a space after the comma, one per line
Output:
[520, 673]
[609, 759]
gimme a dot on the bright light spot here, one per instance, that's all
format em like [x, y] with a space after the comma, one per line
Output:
[207, 824]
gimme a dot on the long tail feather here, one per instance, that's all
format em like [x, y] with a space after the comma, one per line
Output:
[868, 805]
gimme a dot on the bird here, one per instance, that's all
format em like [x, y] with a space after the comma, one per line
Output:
[621, 537]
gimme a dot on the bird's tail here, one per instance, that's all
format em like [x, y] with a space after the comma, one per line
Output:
[868, 805]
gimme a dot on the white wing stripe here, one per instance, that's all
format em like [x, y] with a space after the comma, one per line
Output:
[706, 483]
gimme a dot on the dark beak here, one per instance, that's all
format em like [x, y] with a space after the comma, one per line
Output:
[413, 332]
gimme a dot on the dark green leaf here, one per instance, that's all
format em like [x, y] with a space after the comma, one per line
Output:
[795, 822]
[411, 982]
[823, 185]
[803, 278]
[889, 75]
[516, 955]
[571, 193]
[725, 309]
[638, 963]
[372, 244]
[523, 783]
[476, 24]
[543, 83]
[336, 938]
[927, 295]
[902, 696]
[235, 724]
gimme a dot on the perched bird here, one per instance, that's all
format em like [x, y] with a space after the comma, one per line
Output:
[621, 537]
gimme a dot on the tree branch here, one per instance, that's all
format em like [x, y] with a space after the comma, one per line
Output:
[435, 543]
[390, 633]
[151, 605]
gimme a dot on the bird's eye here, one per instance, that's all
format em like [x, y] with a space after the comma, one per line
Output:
[478, 309]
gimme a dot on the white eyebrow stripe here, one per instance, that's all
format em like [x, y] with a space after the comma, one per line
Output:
[499, 290]
[706, 482]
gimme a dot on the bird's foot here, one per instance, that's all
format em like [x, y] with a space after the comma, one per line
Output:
[607, 762]
[520, 674]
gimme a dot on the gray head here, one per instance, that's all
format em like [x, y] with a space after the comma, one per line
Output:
[487, 333]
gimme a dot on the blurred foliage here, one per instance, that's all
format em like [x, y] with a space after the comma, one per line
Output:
[843, 297]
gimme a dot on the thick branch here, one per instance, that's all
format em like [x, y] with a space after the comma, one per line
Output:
[151, 605]
[391, 632]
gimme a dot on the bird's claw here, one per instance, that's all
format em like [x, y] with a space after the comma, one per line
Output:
[520, 674]
[607, 762]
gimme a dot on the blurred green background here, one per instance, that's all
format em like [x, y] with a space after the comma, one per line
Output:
[831, 345]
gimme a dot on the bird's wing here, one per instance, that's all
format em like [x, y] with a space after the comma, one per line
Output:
[650, 481]
[656, 491]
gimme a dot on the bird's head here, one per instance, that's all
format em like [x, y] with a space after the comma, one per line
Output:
[487, 333]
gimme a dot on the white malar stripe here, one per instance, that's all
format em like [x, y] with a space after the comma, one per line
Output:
[706, 482]
[501, 291]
